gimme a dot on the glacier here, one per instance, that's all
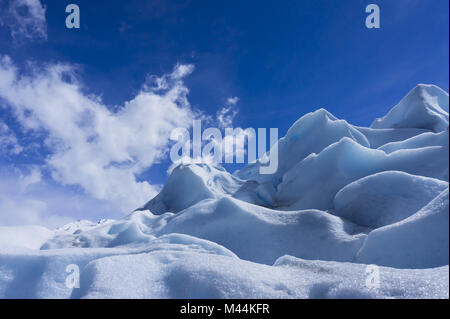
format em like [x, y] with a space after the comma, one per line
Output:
[344, 197]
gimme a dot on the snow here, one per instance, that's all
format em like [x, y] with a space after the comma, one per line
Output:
[269, 234]
[315, 181]
[420, 141]
[385, 198]
[420, 241]
[42, 273]
[158, 274]
[426, 106]
[222, 277]
[196, 182]
[345, 198]
[310, 134]
[80, 226]
[172, 272]
[380, 137]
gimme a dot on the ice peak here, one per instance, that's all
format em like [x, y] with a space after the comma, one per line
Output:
[426, 106]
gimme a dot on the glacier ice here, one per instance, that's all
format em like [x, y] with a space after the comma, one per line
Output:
[311, 133]
[385, 198]
[212, 276]
[196, 183]
[426, 106]
[269, 234]
[380, 137]
[344, 197]
[419, 141]
[202, 181]
[314, 182]
[419, 241]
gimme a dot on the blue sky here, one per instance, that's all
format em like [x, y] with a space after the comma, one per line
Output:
[282, 59]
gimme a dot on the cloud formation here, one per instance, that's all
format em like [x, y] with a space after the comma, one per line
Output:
[27, 198]
[226, 114]
[228, 142]
[91, 146]
[25, 19]
[8, 141]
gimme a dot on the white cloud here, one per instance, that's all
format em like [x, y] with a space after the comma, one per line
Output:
[226, 144]
[225, 117]
[160, 83]
[232, 100]
[8, 141]
[226, 114]
[27, 199]
[25, 19]
[236, 142]
[16, 206]
[100, 150]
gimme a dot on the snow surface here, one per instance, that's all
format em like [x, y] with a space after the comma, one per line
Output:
[312, 133]
[426, 106]
[199, 182]
[314, 182]
[267, 234]
[385, 198]
[343, 197]
[171, 271]
[196, 183]
[380, 137]
[212, 276]
[420, 241]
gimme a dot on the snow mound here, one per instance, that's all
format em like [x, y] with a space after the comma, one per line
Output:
[42, 273]
[420, 241]
[310, 134]
[262, 235]
[81, 225]
[315, 181]
[133, 229]
[385, 198]
[158, 270]
[380, 137]
[426, 107]
[158, 275]
[419, 141]
[267, 234]
[192, 183]
[195, 183]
